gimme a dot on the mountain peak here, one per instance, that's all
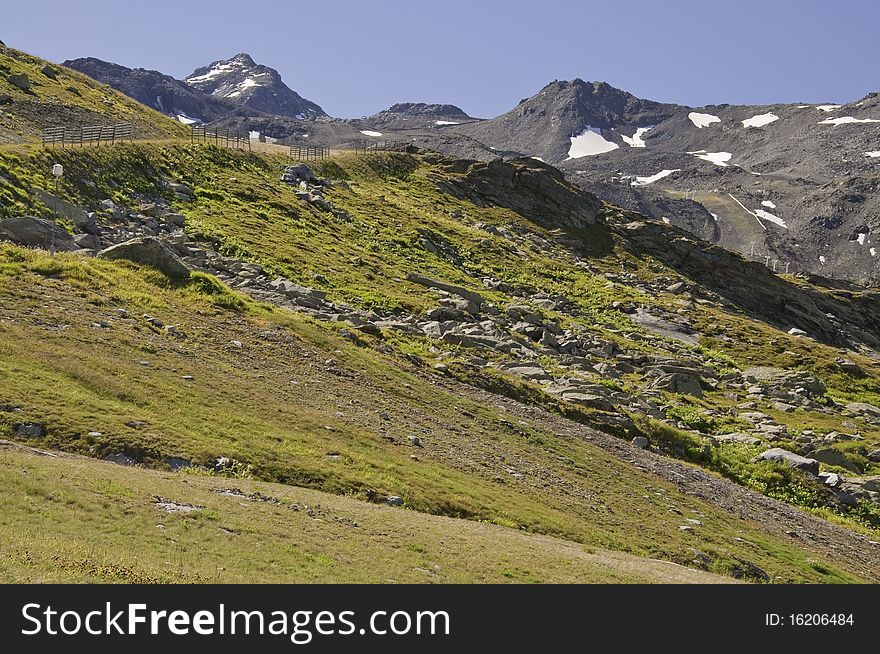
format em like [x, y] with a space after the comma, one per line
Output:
[243, 81]
[244, 58]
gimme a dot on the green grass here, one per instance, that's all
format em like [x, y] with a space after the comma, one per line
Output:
[69, 99]
[277, 406]
[76, 520]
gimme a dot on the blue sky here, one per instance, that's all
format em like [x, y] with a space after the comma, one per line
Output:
[355, 58]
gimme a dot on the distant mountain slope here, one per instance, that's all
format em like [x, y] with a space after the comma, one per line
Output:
[543, 125]
[243, 81]
[154, 89]
[35, 94]
[418, 115]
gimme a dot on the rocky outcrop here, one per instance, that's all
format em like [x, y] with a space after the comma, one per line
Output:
[792, 460]
[149, 251]
[36, 232]
[529, 187]
[827, 316]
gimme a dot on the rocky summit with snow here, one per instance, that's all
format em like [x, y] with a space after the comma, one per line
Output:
[242, 81]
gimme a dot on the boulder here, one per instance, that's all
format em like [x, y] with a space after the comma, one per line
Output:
[29, 430]
[36, 232]
[474, 297]
[87, 241]
[150, 251]
[679, 382]
[640, 442]
[21, 81]
[792, 460]
[737, 437]
[299, 173]
[797, 381]
[863, 409]
[833, 457]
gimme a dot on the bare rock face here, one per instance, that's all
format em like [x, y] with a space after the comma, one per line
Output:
[150, 251]
[533, 189]
[37, 233]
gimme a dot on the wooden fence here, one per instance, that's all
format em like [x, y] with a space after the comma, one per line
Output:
[224, 137]
[93, 135]
[303, 153]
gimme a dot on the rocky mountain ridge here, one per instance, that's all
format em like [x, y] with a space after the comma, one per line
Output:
[242, 81]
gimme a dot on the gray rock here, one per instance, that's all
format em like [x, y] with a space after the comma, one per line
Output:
[394, 500]
[20, 81]
[863, 409]
[679, 382]
[791, 459]
[87, 241]
[833, 457]
[792, 380]
[80, 218]
[29, 430]
[738, 437]
[831, 479]
[176, 463]
[120, 459]
[640, 442]
[36, 232]
[149, 251]
[449, 288]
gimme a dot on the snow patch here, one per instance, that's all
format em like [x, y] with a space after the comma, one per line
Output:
[254, 136]
[844, 120]
[703, 120]
[714, 216]
[873, 252]
[211, 74]
[861, 238]
[768, 204]
[760, 120]
[717, 158]
[187, 120]
[588, 143]
[369, 132]
[828, 107]
[538, 159]
[821, 259]
[766, 215]
[248, 83]
[644, 181]
[446, 122]
[636, 140]
[874, 154]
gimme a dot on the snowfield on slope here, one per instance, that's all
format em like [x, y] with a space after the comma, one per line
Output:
[636, 140]
[766, 215]
[717, 158]
[644, 181]
[703, 120]
[760, 120]
[588, 143]
[369, 132]
[846, 120]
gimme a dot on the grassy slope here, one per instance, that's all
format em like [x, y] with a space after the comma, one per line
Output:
[77, 520]
[280, 406]
[70, 99]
